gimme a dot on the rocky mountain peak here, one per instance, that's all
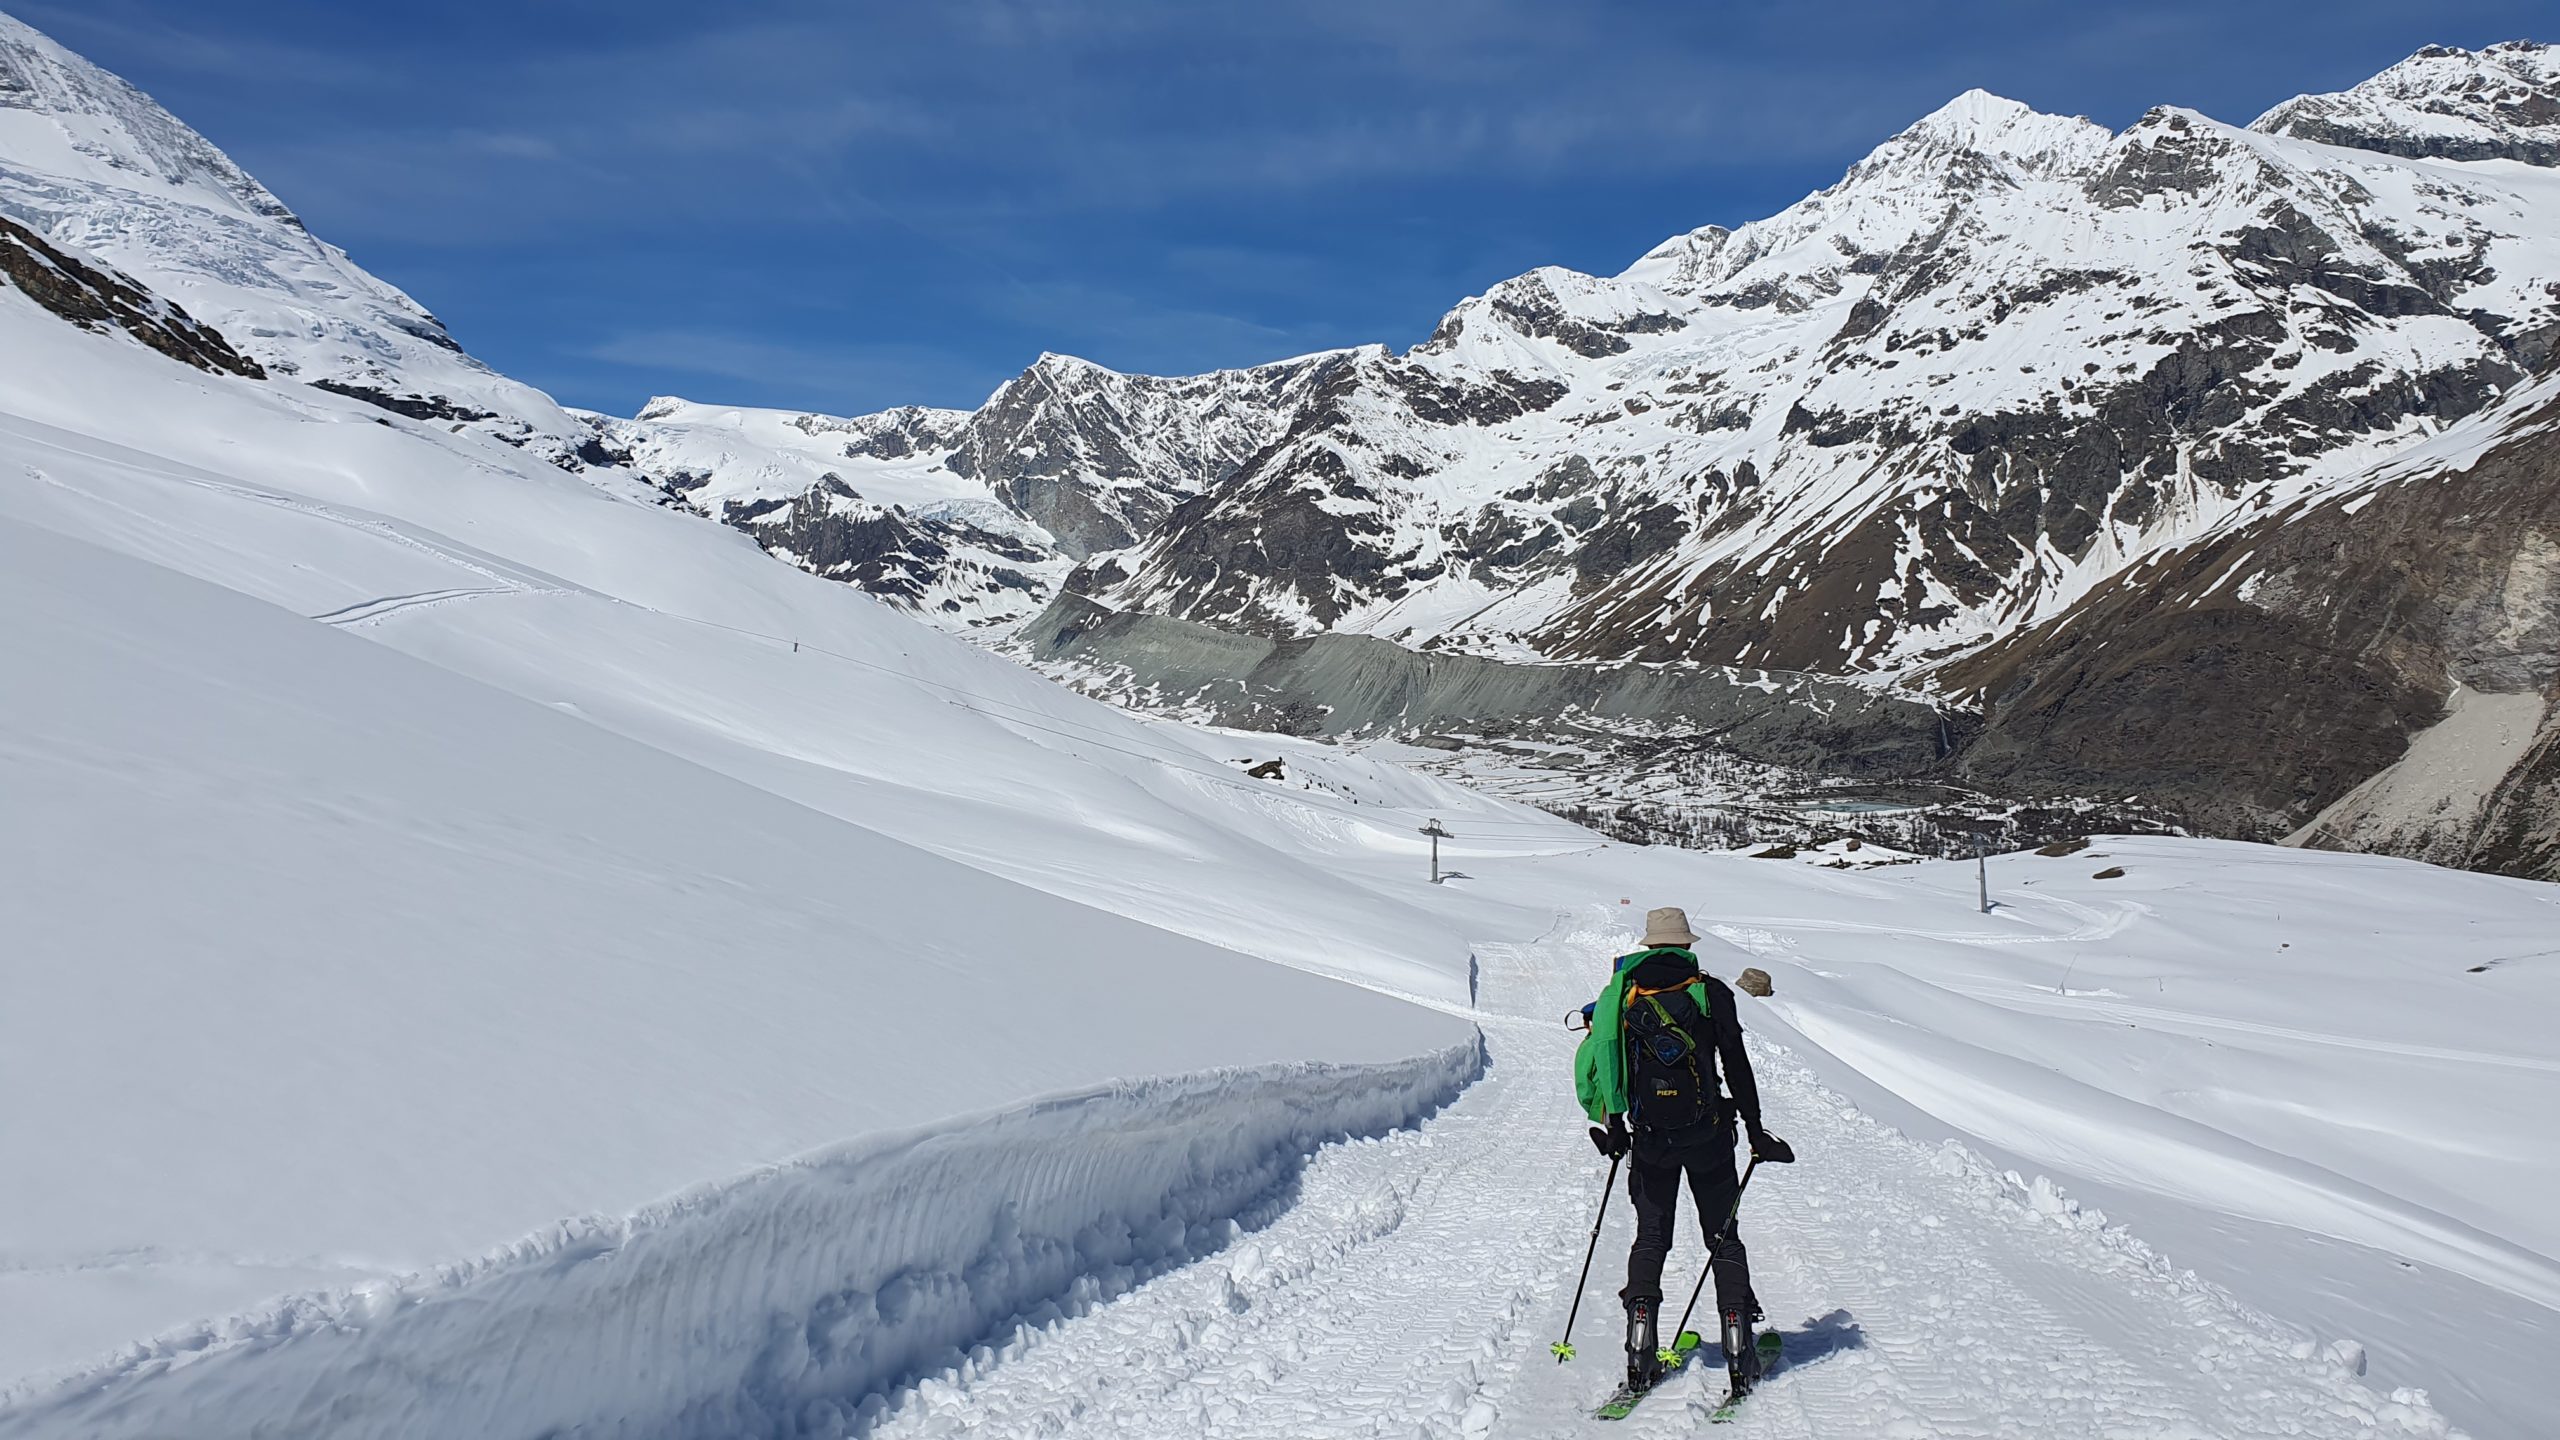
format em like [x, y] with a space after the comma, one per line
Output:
[2442, 103]
[1980, 123]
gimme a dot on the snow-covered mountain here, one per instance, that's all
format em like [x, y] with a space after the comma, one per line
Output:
[2006, 360]
[970, 518]
[2006, 355]
[101, 170]
[2441, 104]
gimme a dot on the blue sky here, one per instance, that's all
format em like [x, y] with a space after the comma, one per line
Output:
[848, 206]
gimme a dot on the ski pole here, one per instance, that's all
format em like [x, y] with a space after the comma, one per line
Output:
[1712, 1242]
[1564, 1348]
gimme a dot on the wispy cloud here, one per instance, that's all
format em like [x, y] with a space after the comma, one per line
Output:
[1162, 184]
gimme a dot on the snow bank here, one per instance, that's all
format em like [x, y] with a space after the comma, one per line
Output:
[331, 965]
[774, 1304]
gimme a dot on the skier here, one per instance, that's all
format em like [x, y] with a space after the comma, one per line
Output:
[1647, 1072]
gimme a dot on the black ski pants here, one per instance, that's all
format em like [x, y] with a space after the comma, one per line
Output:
[1653, 1182]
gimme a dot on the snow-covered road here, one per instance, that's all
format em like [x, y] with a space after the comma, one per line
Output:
[1409, 1286]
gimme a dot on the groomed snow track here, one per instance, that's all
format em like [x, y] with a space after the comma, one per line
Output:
[1413, 1288]
[1165, 1260]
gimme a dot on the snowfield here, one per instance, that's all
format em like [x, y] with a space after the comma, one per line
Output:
[491, 954]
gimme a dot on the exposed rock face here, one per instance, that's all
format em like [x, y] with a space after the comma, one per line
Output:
[1098, 459]
[2400, 641]
[96, 298]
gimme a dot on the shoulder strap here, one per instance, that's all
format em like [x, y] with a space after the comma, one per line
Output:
[1697, 996]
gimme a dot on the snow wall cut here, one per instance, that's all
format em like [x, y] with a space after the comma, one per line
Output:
[780, 1304]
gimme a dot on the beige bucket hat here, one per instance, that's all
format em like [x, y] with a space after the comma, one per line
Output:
[1668, 926]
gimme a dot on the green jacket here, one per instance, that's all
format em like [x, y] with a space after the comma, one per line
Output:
[1600, 1064]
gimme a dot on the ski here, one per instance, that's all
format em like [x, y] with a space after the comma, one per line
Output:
[1624, 1399]
[1770, 1345]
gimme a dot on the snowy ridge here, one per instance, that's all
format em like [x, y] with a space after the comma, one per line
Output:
[2441, 103]
[858, 500]
[971, 520]
[782, 1303]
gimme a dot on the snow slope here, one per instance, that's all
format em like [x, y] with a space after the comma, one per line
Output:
[442, 970]
[403, 969]
[529, 1061]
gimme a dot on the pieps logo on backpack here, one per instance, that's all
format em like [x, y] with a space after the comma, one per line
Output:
[1671, 1084]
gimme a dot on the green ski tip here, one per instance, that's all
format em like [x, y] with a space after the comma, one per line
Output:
[1680, 1349]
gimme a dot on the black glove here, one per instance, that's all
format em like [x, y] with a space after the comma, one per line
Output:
[1769, 1148]
[1611, 1142]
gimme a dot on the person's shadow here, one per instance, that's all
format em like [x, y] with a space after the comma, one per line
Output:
[1811, 1343]
[1819, 1339]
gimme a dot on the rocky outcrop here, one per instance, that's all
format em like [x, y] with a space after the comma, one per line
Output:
[2377, 669]
[920, 563]
[94, 297]
[416, 407]
[1098, 459]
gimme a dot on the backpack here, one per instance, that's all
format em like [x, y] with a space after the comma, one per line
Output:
[1671, 1069]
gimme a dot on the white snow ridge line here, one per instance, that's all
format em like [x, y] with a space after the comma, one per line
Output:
[780, 1303]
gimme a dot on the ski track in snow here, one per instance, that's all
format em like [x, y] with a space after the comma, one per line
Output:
[1412, 1288]
[2080, 1002]
[367, 611]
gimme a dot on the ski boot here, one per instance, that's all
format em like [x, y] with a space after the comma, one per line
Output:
[1741, 1352]
[1644, 1357]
